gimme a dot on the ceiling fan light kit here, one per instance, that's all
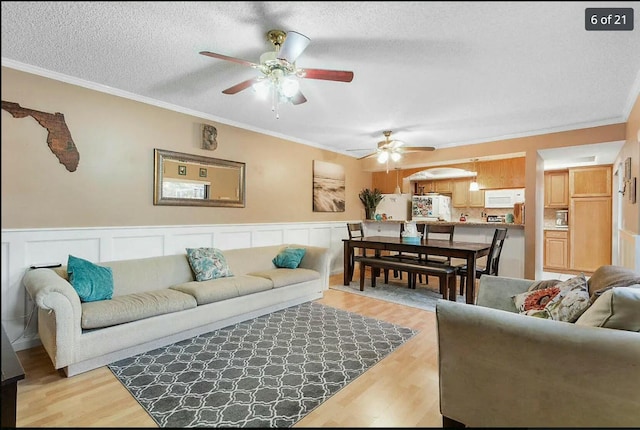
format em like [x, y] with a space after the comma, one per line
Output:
[280, 76]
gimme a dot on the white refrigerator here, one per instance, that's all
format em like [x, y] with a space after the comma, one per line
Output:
[395, 206]
[431, 208]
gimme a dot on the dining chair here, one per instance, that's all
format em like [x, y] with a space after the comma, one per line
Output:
[355, 230]
[436, 231]
[493, 259]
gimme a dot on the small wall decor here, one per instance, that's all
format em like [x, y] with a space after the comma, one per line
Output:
[59, 138]
[209, 137]
[182, 170]
[627, 169]
[328, 187]
[633, 190]
[203, 172]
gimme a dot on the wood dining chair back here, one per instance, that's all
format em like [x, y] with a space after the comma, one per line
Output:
[493, 259]
[355, 230]
[438, 231]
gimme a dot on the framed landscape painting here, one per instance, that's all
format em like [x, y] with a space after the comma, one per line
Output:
[328, 187]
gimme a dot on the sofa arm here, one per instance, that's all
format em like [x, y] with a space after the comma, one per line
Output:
[53, 294]
[503, 369]
[496, 291]
[318, 259]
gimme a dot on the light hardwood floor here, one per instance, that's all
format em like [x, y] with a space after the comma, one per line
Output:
[399, 391]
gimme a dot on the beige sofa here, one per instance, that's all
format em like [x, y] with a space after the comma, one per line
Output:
[500, 368]
[156, 301]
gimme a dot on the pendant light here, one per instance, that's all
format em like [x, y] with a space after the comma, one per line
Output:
[397, 190]
[473, 186]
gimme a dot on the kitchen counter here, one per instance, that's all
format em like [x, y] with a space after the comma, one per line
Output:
[460, 223]
[554, 228]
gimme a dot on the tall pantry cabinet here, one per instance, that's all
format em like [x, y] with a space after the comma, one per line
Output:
[590, 217]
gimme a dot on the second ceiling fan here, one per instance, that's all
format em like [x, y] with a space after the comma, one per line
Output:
[279, 72]
[393, 149]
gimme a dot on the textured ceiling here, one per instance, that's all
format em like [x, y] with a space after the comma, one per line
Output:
[436, 73]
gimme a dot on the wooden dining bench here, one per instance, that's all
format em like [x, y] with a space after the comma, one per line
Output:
[445, 273]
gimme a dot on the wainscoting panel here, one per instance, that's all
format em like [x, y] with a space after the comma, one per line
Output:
[57, 251]
[22, 248]
[297, 236]
[129, 248]
[629, 250]
[268, 237]
[179, 242]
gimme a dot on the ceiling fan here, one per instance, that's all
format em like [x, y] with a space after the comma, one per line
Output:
[393, 149]
[279, 71]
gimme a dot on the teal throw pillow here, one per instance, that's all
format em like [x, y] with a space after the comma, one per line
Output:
[91, 282]
[289, 258]
[208, 263]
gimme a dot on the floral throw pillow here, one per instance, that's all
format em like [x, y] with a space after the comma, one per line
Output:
[208, 263]
[564, 301]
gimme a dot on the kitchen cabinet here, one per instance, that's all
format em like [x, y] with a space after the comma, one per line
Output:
[556, 189]
[556, 249]
[476, 199]
[505, 173]
[461, 196]
[590, 239]
[592, 181]
[442, 186]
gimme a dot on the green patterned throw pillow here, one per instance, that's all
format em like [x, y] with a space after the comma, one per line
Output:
[289, 258]
[208, 263]
[91, 282]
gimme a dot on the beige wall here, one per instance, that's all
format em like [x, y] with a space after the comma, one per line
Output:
[631, 212]
[113, 185]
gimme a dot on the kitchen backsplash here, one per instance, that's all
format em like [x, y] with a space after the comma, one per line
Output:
[475, 214]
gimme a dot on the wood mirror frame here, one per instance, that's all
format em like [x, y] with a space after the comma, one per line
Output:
[194, 180]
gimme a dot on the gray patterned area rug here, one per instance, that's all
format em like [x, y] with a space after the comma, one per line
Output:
[396, 291]
[267, 372]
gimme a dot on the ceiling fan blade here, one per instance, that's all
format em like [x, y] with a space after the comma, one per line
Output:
[233, 59]
[298, 98]
[417, 148]
[327, 75]
[241, 86]
[294, 44]
[368, 156]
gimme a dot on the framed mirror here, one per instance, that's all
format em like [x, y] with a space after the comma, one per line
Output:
[194, 180]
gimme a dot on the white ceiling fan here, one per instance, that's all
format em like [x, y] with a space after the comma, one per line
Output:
[389, 149]
[279, 71]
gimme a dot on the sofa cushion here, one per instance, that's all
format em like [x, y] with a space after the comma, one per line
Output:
[617, 308]
[219, 289]
[565, 301]
[283, 277]
[289, 258]
[208, 263]
[91, 282]
[133, 307]
[606, 277]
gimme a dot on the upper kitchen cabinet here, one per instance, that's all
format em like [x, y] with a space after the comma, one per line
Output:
[590, 181]
[506, 173]
[556, 189]
[462, 197]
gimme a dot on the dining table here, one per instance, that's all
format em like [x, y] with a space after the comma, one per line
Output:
[469, 251]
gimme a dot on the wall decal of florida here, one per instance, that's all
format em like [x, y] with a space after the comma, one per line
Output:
[59, 138]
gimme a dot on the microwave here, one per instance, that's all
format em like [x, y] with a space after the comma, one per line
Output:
[503, 198]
